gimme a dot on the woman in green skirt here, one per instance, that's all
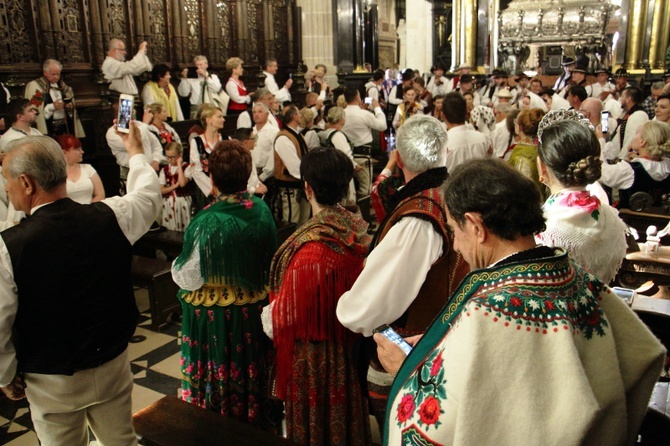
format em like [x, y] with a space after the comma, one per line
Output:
[223, 275]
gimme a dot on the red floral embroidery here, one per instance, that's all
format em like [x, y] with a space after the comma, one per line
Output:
[406, 408]
[593, 318]
[581, 199]
[437, 365]
[515, 301]
[429, 411]
[549, 305]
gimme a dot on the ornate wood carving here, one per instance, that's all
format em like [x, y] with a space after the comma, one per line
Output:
[16, 32]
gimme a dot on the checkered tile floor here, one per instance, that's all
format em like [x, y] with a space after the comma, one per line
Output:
[154, 361]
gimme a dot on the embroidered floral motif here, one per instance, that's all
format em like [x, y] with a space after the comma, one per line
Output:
[425, 389]
[541, 309]
[582, 200]
[414, 436]
[37, 99]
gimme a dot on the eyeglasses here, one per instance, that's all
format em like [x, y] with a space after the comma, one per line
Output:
[175, 157]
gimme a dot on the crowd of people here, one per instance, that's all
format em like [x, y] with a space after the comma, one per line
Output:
[492, 259]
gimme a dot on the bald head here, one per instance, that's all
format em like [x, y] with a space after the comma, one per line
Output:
[593, 107]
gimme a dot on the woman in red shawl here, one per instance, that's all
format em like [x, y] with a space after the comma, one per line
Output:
[316, 371]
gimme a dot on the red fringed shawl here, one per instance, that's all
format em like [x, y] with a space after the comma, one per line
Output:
[309, 273]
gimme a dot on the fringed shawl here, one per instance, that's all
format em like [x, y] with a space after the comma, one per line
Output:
[236, 240]
[310, 272]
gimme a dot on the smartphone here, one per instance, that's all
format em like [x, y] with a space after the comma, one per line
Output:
[626, 294]
[394, 337]
[126, 104]
[604, 117]
[368, 101]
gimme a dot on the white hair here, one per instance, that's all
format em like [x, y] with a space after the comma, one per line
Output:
[422, 143]
[47, 63]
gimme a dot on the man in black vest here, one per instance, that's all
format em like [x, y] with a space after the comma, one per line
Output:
[67, 308]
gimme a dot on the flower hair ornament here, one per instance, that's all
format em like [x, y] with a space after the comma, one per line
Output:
[561, 114]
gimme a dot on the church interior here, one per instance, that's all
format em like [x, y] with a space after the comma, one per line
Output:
[350, 39]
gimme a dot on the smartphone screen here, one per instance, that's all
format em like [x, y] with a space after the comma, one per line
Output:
[626, 294]
[604, 116]
[394, 337]
[125, 113]
[368, 101]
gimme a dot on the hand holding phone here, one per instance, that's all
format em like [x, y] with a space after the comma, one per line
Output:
[604, 119]
[126, 104]
[394, 337]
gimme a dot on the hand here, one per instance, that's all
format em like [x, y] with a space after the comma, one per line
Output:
[288, 83]
[184, 73]
[324, 85]
[261, 189]
[319, 104]
[180, 162]
[143, 47]
[390, 355]
[201, 72]
[132, 140]
[147, 117]
[59, 105]
[16, 390]
[375, 103]
[599, 131]
[68, 106]
[357, 167]
[603, 95]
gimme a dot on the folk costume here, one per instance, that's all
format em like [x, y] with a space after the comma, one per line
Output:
[406, 111]
[42, 95]
[414, 233]
[316, 372]
[176, 204]
[223, 274]
[533, 350]
[591, 231]
[238, 96]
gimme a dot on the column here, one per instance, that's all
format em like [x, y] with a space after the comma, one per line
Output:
[469, 33]
[660, 35]
[317, 35]
[419, 32]
[637, 17]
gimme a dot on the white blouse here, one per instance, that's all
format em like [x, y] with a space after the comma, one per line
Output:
[81, 190]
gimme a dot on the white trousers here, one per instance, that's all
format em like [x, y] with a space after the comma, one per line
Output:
[62, 407]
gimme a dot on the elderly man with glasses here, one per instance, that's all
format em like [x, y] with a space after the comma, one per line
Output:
[120, 72]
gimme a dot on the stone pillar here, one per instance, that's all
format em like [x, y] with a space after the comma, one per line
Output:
[464, 36]
[419, 41]
[660, 34]
[317, 36]
[637, 19]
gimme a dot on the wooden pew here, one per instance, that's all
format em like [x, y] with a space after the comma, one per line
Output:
[155, 274]
[173, 422]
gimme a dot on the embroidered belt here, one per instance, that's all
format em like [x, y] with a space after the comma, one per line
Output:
[224, 295]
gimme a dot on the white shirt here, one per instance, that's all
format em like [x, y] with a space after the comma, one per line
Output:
[282, 94]
[392, 277]
[358, 124]
[557, 102]
[392, 95]
[49, 109]
[446, 87]
[263, 149]
[193, 87]
[500, 139]
[464, 144]
[634, 121]
[152, 148]
[311, 138]
[288, 154]
[372, 90]
[121, 73]
[233, 92]
[81, 190]
[12, 135]
[199, 176]
[244, 121]
[134, 213]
